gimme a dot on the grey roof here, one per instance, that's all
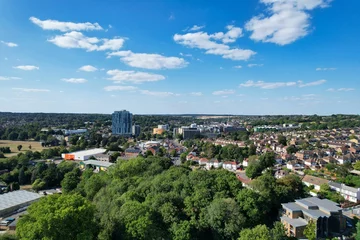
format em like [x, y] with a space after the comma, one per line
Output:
[296, 222]
[325, 204]
[15, 198]
[335, 184]
[313, 207]
[98, 163]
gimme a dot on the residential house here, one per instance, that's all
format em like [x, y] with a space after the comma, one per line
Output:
[132, 152]
[213, 164]
[294, 165]
[309, 180]
[280, 173]
[102, 157]
[230, 166]
[349, 193]
[326, 214]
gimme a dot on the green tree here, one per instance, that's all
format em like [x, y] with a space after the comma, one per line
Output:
[70, 181]
[278, 231]
[310, 230]
[282, 140]
[22, 177]
[357, 236]
[19, 147]
[225, 218]
[260, 232]
[58, 217]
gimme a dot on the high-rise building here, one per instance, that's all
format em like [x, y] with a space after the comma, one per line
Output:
[136, 130]
[121, 123]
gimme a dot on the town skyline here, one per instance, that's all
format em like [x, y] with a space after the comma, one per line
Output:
[180, 58]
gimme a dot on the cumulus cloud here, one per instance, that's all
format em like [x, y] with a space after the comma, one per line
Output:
[65, 26]
[198, 94]
[74, 80]
[27, 67]
[4, 78]
[78, 40]
[217, 43]
[158, 94]
[9, 44]
[238, 66]
[283, 21]
[119, 88]
[149, 61]
[267, 85]
[254, 65]
[224, 92]
[341, 89]
[88, 68]
[310, 84]
[325, 69]
[119, 76]
[31, 90]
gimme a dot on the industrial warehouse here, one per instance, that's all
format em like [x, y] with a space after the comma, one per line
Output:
[13, 201]
[83, 155]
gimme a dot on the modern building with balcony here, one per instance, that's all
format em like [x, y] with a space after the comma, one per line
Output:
[326, 214]
[122, 123]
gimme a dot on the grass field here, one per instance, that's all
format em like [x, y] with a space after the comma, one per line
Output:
[35, 146]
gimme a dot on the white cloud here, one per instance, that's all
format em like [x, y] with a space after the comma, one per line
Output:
[78, 40]
[119, 88]
[216, 43]
[65, 26]
[158, 94]
[9, 44]
[3, 78]
[196, 28]
[172, 16]
[238, 66]
[198, 94]
[254, 65]
[74, 80]
[340, 89]
[149, 61]
[267, 85]
[27, 67]
[133, 76]
[224, 92]
[185, 55]
[283, 21]
[310, 84]
[273, 85]
[31, 90]
[88, 68]
[325, 69]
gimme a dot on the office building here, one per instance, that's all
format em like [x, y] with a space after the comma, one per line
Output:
[164, 127]
[187, 132]
[326, 214]
[122, 123]
[136, 130]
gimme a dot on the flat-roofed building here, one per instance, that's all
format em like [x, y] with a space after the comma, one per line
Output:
[327, 216]
[83, 155]
[96, 165]
[13, 201]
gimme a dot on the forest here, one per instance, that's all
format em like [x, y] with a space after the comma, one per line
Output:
[148, 198]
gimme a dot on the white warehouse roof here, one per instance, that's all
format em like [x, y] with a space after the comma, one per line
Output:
[12, 199]
[88, 152]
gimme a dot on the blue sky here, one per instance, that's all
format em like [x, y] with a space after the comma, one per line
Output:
[222, 57]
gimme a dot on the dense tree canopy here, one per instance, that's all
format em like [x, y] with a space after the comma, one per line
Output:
[59, 217]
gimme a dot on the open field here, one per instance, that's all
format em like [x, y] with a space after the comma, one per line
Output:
[35, 146]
